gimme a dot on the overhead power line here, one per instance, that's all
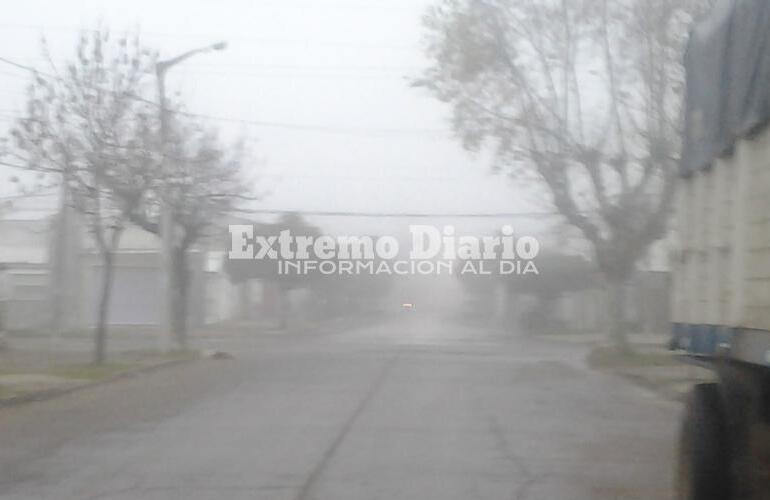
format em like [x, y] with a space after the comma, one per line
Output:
[405, 215]
[258, 123]
[305, 67]
[236, 68]
[300, 42]
[316, 128]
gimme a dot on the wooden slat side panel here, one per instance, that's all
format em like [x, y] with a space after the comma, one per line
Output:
[753, 240]
[713, 290]
[679, 256]
[722, 269]
[741, 164]
[697, 272]
[757, 276]
[725, 192]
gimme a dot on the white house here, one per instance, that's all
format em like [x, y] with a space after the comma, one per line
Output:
[29, 247]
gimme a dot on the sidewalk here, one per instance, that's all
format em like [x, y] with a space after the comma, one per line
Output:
[651, 365]
[39, 366]
[32, 375]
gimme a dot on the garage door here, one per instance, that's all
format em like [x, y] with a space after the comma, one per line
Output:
[135, 297]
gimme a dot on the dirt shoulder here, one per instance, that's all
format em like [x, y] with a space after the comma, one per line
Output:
[27, 376]
[651, 366]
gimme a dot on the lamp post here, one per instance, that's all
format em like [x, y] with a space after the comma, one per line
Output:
[167, 225]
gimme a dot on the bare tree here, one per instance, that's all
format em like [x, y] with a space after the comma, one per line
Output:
[581, 96]
[204, 181]
[86, 127]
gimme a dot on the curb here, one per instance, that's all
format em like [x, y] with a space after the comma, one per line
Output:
[661, 390]
[47, 394]
[654, 378]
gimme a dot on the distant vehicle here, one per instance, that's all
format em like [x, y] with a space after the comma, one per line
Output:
[721, 296]
[408, 306]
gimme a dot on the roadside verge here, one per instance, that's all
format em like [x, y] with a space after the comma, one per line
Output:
[40, 383]
[655, 368]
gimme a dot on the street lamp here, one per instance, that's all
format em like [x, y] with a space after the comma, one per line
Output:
[167, 209]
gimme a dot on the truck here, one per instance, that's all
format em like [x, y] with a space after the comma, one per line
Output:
[721, 264]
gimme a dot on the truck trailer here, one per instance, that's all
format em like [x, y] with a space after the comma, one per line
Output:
[721, 265]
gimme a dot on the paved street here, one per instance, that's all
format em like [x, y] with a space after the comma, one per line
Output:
[415, 409]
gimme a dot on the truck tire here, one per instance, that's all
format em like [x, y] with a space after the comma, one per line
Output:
[704, 464]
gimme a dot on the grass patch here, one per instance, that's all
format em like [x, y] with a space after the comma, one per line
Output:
[125, 362]
[48, 334]
[81, 368]
[611, 358]
[153, 354]
[88, 371]
[6, 393]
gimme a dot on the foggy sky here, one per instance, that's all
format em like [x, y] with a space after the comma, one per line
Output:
[340, 66]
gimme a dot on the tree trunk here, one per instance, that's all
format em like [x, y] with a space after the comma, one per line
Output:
[100, 338]
[181, 297]
[616, 288]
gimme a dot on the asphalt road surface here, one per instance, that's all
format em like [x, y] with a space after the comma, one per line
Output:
[415, 409]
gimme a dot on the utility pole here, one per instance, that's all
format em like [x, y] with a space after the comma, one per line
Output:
[167, 218]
